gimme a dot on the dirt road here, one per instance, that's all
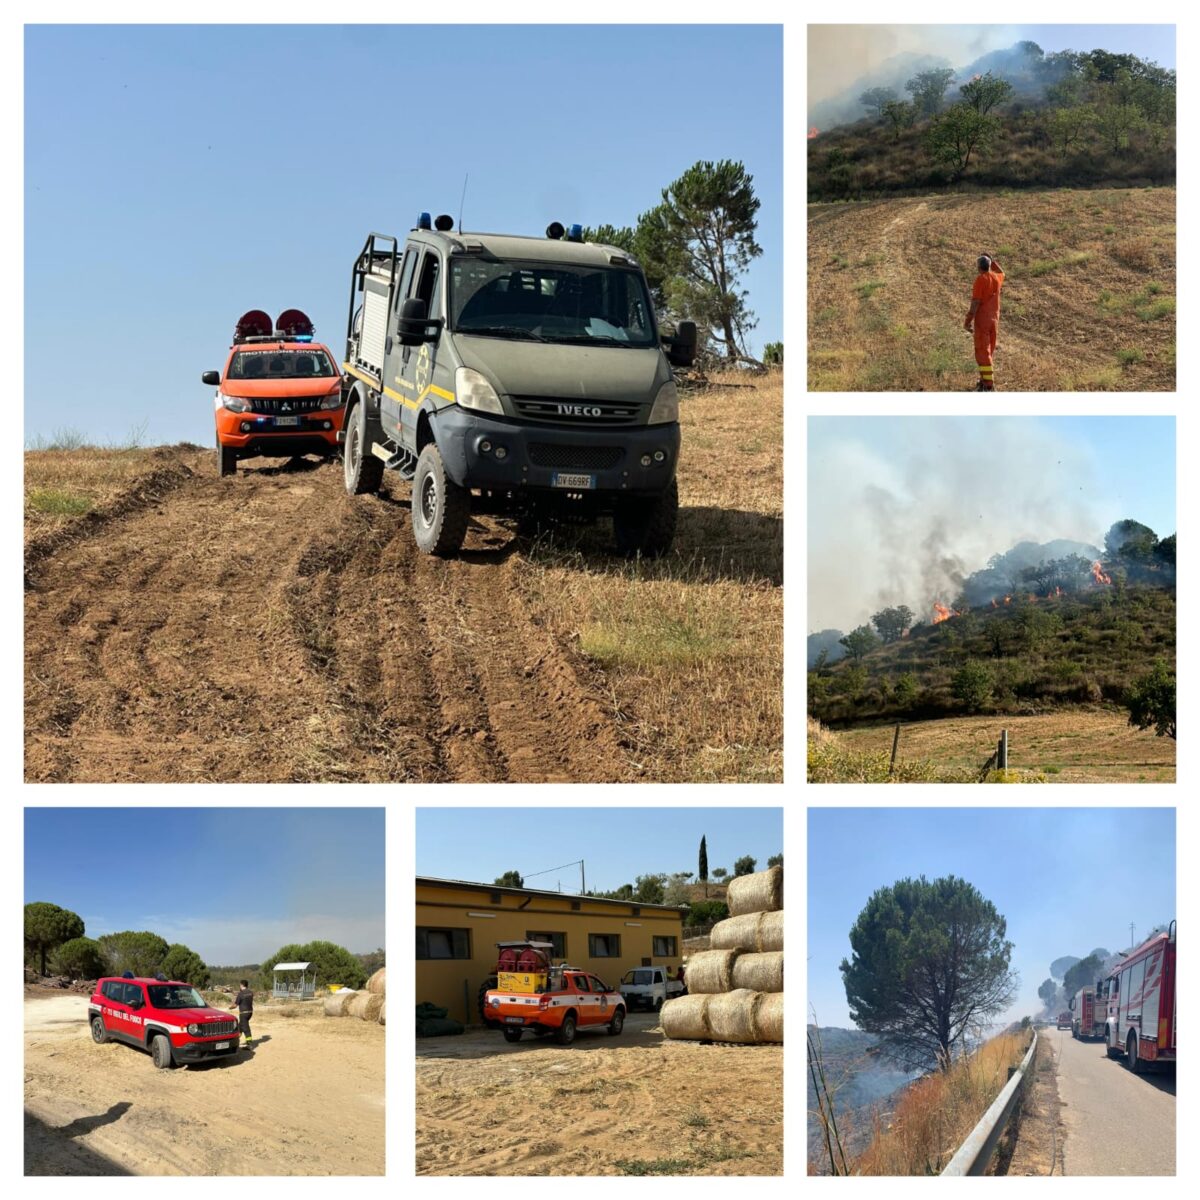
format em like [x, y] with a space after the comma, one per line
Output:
[269, 628]
[1116, 1123]
[308, 1100]
[636, 1104]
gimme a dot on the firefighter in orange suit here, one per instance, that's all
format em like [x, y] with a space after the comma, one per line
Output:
[985, 314]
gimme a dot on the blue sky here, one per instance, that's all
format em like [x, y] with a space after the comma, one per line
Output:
[1063, 878]
[616, 844]
[234, 884]
[177, 176]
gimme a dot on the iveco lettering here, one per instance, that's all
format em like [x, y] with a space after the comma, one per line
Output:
[512, 374]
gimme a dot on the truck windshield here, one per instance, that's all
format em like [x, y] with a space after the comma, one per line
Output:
[281, 364]
[636, 977]
[174, 995]
[551, 302]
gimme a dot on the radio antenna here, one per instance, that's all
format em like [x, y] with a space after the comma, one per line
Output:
[462, 202]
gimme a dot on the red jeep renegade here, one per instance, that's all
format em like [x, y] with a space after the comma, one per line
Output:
[168, 1018]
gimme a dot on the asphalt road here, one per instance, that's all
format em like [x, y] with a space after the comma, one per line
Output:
[1117, 1123]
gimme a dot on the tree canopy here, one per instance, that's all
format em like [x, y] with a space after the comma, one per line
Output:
[138, 951]
[1151, 700]
[80, 958]
[48, 926]
[186, 965]
[331, 962]
[744, 866]
[510, 879]
[928, 89]
[930, 963]
[702, 873]
[859, 642]
[893, 622]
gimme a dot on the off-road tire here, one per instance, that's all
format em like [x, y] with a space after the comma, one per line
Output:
[480, 1003]
[1111, 1051]
[617, 1023]
[440, 508]
[160, 1051]
[658, 1003]
[1133, 1060]
[226, 460]
[99, 1033]
[361, 470]
[647, 526]
[512, 1035]
[565, 1033]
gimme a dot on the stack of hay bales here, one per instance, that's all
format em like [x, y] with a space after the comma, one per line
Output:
[368, 1005]
[735, 989]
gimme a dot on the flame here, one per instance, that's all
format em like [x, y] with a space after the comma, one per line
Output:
[1032, 598]
[813, 132]
[1007, 599]
[1098, 574]
[994, 604]
[1054, 595]
[941, 613]
[975, 77]
[904, 633]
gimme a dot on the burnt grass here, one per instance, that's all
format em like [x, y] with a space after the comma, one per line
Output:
[1075, 650]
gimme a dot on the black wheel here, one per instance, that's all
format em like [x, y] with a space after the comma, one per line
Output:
[99, 1033]
[617, 1023]
[566, 1031]
[657, 1003]
[160, 1051]
[363, 472]
[1136, 1064]
[647, 527]
[512, 1035]
[440, 508]
[1110, 1050]
[226, 460]
[481, 1002]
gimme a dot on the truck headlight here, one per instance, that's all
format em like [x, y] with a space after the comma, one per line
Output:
[666, 405]
[472, 390]
[193, 1029]
[236, 403]
[333, 400]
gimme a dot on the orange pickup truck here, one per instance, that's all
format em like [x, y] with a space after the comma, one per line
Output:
[532, 993]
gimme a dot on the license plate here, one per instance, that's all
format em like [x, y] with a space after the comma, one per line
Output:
[279, 421]
[515, 1020]
[577, 483]
[222, 1045]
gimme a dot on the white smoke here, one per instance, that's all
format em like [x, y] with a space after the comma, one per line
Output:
[907, 523]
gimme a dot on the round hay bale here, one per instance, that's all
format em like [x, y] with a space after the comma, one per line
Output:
[376, 984]
[365, 1005]
[760, 892]
[770, 1018]
[733, 1017]
[686, 1017]
[382, 1013]
[710, 971]
[337, 1004]
[753, 932]
[758, 972]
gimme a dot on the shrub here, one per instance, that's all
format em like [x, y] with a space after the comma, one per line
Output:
[972, 684]
[707, 912]
[80, 958]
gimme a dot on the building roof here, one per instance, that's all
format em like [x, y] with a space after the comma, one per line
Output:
[292, 966]
[523, 891]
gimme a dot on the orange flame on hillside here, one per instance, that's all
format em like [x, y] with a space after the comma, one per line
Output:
[1054, 594]
[813, 132]
[942, 613]
[1098, 574]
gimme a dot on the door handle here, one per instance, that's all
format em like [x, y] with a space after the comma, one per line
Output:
[387, 346]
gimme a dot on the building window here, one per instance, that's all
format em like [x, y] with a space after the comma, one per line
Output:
[664, 947]
[443, 943]
[604, 945]
[558, 939]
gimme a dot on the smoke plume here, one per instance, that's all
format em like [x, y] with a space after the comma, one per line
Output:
[907, 521]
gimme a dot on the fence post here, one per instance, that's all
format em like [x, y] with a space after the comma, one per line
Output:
[895, 746]
[1002, 751]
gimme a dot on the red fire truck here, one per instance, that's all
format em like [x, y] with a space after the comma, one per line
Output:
[1139, 995]
[1087, 1017]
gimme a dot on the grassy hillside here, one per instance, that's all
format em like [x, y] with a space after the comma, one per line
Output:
[1088, 301]
[1082, 649]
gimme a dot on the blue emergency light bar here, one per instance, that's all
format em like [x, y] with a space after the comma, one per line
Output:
[301, 337]
[424, 221]
[575, 234]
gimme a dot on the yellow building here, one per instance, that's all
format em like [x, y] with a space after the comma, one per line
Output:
[459, 924]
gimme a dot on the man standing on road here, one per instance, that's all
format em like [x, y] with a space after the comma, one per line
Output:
[244, 1002]
[985, 313]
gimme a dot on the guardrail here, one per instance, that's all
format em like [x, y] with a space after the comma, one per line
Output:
[973, 1156]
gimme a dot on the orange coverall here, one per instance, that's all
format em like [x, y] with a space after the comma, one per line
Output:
[987, 320]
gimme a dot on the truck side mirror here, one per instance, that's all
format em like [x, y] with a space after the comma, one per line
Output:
[414, 326]
[681, 349]
[213, 377]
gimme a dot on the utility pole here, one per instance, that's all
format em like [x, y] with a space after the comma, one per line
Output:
[1131, 929]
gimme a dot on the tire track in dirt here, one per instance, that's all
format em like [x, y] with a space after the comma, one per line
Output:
[270, 628]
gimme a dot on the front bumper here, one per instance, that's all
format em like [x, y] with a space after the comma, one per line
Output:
[536, 454]
[193, 1051]
[253, 434]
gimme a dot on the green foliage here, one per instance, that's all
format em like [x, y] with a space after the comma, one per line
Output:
[906, 689]
[930, 960]
[702, 873]
[1069, 127]
[331, 962]
[138, 951]
[1151, 700]
[80, 958]
[705, 912]
[876, 99]
[972, 684]
[720, 873]
[744, 866]
[649, 889]
[185, 965]
[959, 133]
[773, 354]
[678, 892]
[511, 879]
[984, 93]
[775, 860]
[1130, 541]
[1038, 627]
[859, 642]
[48, 926]
[900, 115]
[891, 623]
[1165, 550]
[928, 89]
[1116, 122]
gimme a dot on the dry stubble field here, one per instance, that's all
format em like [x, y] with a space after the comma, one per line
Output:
[1088, 301]
[636, 1104]
[183, 627]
